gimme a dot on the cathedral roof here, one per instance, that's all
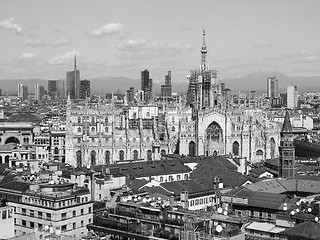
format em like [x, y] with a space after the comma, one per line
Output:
[24, 117]
[286, 127]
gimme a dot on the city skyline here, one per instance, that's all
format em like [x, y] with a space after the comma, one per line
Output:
[40, 39]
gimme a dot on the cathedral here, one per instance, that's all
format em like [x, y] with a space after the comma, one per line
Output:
[207, 124]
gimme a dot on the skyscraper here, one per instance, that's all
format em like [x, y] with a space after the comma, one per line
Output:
[56, 88]
[22, 91]
[166, 89]
[84, 89]
[146, 86]
[272, 87]
[292, 97]
[73, 82]
[38, 92]
[130, 95]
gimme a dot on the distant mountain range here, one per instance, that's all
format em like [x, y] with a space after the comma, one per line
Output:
[254, 81]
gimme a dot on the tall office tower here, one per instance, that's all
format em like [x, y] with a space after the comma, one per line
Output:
[73, 82]
[22, 91]
[272, 87]
[166, 89]
[286, 150]
[38, 92]
[146, 86]
[130, 95]
[84, 89]
[56, 88]
[168, 78]
[292, 97]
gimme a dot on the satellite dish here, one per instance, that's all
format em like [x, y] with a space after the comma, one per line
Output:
[144, 200]
[316, 219]
[225, 213]
[139, 198]
[309, 209]
[129, 198]
[219, 210]
[219, 228]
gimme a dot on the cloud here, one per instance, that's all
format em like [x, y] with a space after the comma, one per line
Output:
[8, 24]
[34, 42]
[259, 46]
[133, 45]
[27, 56]
[110, 29]
[61, 42]
[64, 58]
[185, 28]
[142, 46]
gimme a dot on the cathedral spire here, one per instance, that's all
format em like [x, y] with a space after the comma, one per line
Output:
[75, 62]
[203, 51]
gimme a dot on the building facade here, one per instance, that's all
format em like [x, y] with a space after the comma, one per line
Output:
[84, 89]
[39, 206]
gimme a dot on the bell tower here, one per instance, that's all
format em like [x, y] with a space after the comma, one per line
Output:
[286, 150]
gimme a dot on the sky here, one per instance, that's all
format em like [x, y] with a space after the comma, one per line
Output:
[120, 38]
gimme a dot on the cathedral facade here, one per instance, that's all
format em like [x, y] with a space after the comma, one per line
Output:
[208, 124]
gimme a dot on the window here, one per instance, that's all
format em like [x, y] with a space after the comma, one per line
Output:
[24, 223]
[89, 209]
[32, 224]
[63, 216]
[106, 120]
[82, 211]
[63, 228]
[92, 119]
[79, 129]
[79, 119]
[82, 223]
[49, 216]
[23, 211]
[89, 220]
[173, 129]
[31, 213]
[92, 129]
[178, 177]
[74, 213]
[4, 214]
[39, 226]
[161, 179]
[186, 177]
[106, 129]
[74, 225]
